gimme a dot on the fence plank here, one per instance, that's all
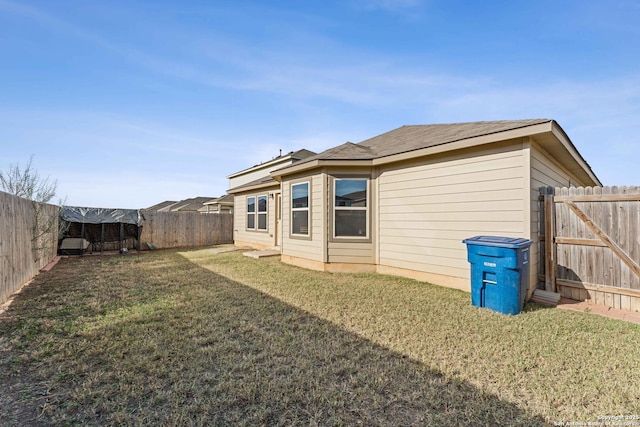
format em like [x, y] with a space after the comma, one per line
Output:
[175, 230]
[576, 227]
[634, 234]
[19, 261]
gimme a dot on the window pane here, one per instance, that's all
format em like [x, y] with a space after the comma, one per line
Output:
[251, 204]
[262, 203]
[300, 224]
[300, 196]
[251, 221]
[262, 221]
[351, 223]
[351, 193]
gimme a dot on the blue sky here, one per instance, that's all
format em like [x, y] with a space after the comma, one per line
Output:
[129, 103]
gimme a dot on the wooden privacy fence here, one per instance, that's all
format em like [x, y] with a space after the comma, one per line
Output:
[592, 244]
[175, 230]
[28, 240]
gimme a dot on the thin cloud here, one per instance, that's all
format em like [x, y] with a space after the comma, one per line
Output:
[340, 74]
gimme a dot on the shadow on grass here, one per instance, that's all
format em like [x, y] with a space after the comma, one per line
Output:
[532, 306]
[219, 353]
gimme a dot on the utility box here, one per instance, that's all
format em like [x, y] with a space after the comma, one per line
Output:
[499, 272]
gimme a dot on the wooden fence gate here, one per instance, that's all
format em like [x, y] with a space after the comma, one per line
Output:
[592, 244]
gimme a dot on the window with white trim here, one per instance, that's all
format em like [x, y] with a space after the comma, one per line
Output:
[262, 213]
[251, 213]
[257, 207]
[300, 209]
[350, 208]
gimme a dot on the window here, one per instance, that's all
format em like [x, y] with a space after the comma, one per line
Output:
[350, 211]
[262, 212]
[257, 206]
[300, 209]
[251, 213]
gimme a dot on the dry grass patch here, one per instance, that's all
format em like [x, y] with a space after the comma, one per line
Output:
[190, 338]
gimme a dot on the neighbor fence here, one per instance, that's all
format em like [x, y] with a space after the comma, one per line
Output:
[174, 230]
[592, 244]
[28, 240]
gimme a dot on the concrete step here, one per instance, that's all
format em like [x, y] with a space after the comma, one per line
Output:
[262, 253]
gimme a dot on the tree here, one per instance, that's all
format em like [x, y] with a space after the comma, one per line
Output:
[27, 183]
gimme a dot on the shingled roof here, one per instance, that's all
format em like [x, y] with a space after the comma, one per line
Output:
[407, 142]
[409, 138]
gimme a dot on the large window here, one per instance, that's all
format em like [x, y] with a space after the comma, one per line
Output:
[257, 206]
[350, 208]
[300, 209]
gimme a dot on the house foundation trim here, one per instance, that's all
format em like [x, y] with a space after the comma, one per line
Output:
[330, 267]
[422, 276]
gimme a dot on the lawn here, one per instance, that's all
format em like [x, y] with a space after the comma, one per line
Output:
[197, 338]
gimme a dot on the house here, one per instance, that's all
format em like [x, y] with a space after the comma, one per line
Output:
[192, 205]
[402, 202]
[218, 205]
[257, 201]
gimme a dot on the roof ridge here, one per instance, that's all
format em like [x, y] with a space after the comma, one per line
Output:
[539, 119]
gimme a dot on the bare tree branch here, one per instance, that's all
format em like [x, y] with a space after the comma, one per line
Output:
[27, 183]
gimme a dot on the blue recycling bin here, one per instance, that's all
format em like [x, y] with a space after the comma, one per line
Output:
[499, 272]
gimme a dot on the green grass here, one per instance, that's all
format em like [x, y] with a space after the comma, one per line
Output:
[192, 338]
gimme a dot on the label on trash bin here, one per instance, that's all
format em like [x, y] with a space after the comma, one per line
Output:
[489, 264]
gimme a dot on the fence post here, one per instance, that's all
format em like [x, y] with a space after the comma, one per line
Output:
[549, 241]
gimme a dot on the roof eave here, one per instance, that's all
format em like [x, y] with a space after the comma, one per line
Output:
[296, 168]
[261, 165]
[582, 164]
[244, 188]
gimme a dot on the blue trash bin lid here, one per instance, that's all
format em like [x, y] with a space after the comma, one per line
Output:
[502, 242]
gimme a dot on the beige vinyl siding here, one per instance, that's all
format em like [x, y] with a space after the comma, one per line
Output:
[427, 208]
[258, 239]
[308, 248]
[351, 252]
[545, 171]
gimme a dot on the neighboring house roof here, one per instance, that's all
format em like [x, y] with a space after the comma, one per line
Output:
[186, 205]
[189, 205]
[217, 204]
[418, 140]
[227, 199]
[161, 205]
